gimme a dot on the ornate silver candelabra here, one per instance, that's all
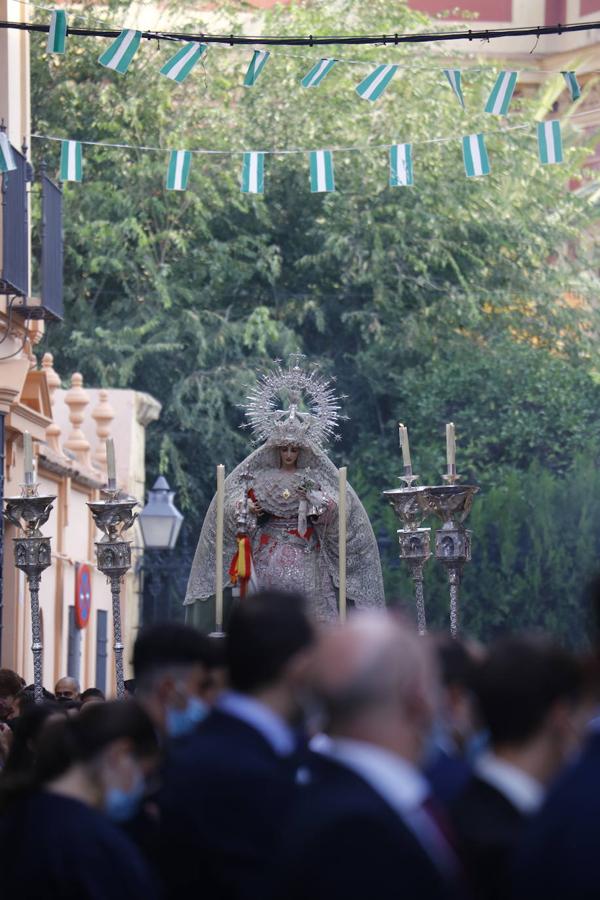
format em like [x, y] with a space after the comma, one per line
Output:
[451, 503]
[414, 541]
[32, 555]
[113, 516]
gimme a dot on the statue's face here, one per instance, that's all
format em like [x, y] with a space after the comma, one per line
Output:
[289, 456]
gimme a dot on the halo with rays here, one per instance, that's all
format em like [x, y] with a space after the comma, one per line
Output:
[309, 396]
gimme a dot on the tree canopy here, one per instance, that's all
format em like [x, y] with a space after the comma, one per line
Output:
[472, 300]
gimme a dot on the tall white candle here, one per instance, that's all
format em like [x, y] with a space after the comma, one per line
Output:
[404, 446]
[111, 464]
[342, 478]
[450, 447]
[219, 548]
[28, 458]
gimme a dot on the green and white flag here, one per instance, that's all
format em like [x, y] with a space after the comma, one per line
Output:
[401, 167]
[321, 171]
[121, 52]
[71, 168]
[179, 66]
[572, 84]
[375, 84]
[179, 170]
[454, 77]
[550, 142]
[7, 162]
[318, 73]
[475, 155]
[57, 36]
[499, 99]
[257, 63]
[253, 173]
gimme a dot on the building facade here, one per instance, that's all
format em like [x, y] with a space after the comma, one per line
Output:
[69, 425]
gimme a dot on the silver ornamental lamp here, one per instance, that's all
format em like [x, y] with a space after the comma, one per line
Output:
[160, 521]
[32, 552]
[452, 504]
[113, 516]
[414, 541]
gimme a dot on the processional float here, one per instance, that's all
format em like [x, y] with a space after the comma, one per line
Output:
[450, 502]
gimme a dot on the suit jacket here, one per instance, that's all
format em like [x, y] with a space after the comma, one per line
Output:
[488, 828]
[344, 842]
[560, 852]
[224, 800]
[447, 774]
[60, 849]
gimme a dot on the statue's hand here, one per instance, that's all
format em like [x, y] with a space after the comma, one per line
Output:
[254, 507]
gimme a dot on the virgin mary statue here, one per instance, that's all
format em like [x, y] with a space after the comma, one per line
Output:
[281, 526]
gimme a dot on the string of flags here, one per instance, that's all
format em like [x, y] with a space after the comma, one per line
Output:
[321, 162]
[119, 55]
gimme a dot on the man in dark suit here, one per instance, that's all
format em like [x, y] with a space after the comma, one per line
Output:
[363, 824]
[228, 786]
[560, 854]
[448, 764]
[527, 690]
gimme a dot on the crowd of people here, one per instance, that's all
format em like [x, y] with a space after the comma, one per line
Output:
[288, 761]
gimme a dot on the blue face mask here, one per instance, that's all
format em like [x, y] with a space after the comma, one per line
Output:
[183, 721]
[120, 805]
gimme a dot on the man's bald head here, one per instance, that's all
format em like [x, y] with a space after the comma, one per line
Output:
[375, 674]
[67, 688]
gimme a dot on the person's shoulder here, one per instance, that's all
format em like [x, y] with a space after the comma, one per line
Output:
[331, 792]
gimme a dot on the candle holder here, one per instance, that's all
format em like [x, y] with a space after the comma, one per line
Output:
[32, 555]
[414, 542]
[452, 504]
[113, 516]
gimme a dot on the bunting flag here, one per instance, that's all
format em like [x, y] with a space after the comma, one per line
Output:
[253, 173]
[7, 162]
[257, 64]
[550, 142]
[179, 170]
[499, 99]
[179, 66]
[572, 84]
[454, 77]
[375, 84]
[401, 167]
[71, 168]
[475, 155]
[318, 73]
[121, 52]
[321, 171]
[57, 36]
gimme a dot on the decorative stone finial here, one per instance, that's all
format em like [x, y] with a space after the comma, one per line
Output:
[53, 431]
[77, 399]
[103, 414]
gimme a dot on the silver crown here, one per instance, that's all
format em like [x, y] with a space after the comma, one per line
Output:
[293, 406]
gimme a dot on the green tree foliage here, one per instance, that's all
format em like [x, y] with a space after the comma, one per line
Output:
[463, 299]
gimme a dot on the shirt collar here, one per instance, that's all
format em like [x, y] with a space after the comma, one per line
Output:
[396, 780]
[518, 787]
[272, 727]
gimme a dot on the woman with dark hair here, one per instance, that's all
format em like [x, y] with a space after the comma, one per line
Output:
[56, 833]
[27, 729]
